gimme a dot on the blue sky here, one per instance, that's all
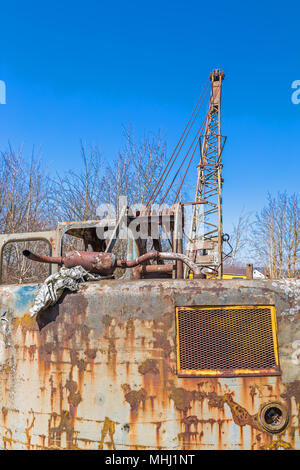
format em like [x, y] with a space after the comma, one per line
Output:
[82, 70]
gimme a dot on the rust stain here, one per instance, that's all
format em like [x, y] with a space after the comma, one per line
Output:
[240, 415]
[52, 392]
[253, 391]
[148, 366]
[31, 350]
[8, 439]
[85, 331]
[106, 320]
[108, 429]
[111, 345]
[75, 361]
[293, 390]
[276, 445]
[157, 433]
[6, 368]
[4, 414]
[163, 343]
[189, 420]
[215, 400]
[65, 426]
[91, 353]
[130, 330]
[74, 397]
[165, 322]
[28, 429]
[49, 347]
[183, 398]
[134, 397]
[188, 434]
[42, 440]
[187, 437]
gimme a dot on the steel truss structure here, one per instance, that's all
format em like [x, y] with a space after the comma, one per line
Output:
[206, 229]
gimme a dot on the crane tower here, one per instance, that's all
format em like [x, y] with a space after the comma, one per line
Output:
[205, 235]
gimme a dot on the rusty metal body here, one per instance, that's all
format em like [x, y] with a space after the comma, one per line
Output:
[98, 370]
[93, 262]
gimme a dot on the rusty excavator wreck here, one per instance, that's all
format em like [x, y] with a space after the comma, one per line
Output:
[167, 355]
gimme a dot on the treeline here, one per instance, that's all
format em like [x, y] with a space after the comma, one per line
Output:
[33, 200]
[271, 237]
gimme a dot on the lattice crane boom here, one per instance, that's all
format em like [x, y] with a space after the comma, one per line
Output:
[205, 245]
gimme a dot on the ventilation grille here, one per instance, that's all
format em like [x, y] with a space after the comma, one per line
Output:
[226, 341]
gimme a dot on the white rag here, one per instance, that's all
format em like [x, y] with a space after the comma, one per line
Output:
[51, 290]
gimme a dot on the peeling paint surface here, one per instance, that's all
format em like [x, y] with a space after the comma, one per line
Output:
[291, 290]
[98, 370]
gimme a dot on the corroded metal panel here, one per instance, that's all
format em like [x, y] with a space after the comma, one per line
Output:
[98, 370]
[226, 341]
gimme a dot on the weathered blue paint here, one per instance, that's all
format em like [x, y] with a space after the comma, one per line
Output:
[24, 296]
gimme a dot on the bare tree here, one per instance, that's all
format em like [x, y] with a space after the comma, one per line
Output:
[136, 170]
[23, 208]
[78, 192]
[239, 238]
[292, 234]
[148, 159]
[134, 174]
[275, 235]
[118, 180]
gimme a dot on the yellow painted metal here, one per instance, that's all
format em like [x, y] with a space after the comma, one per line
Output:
[227, 276]
[274, 332]
[233, 276]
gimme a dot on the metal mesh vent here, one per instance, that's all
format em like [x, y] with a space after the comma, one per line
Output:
[226, 341]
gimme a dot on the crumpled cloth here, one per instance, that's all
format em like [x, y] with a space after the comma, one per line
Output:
[51, 290]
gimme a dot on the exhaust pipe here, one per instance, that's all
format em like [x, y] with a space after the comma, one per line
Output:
[105, 263]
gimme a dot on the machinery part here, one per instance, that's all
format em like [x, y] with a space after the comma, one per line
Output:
[52, 289]
[123, 263]
[138, 271]
[92, 261]
[205, 236]
[187, 261]
[105, 263]
[273, 417]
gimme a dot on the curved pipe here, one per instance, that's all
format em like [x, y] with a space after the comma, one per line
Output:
[123, 263]
[138, 271]
[100, 262]
[197, 270]
[155, 255]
